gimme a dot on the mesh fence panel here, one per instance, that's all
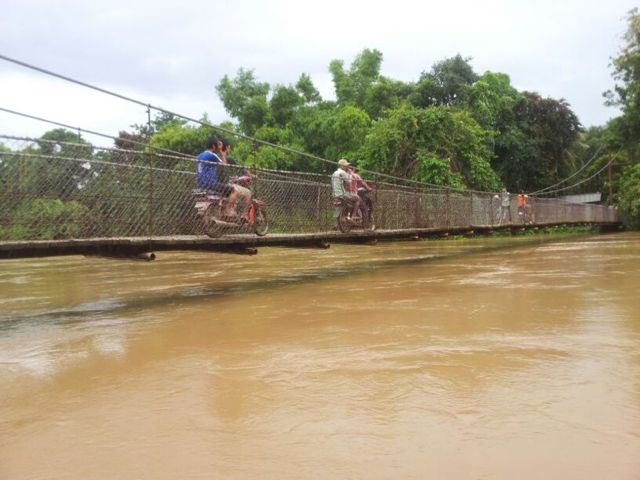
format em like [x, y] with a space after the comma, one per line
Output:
[57, 190]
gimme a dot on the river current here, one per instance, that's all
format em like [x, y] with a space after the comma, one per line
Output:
[494, 358]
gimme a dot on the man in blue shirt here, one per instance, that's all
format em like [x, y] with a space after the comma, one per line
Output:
[207, 164]
[206, 173]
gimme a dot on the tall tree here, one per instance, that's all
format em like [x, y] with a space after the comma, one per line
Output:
[629, 195]
[536, 150]
[351, 87]
[626, 92]
[245, 99]
[41, 191]
[436, 145]
[445, 84]
[284, 104]
[308, 90]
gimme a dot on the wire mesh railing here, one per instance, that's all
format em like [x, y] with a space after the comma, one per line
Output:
[60, 190]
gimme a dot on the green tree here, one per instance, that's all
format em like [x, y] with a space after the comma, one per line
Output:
[42, 185]
[491, 100]
[348, 128]
[308, 90]
[594, 149]
[63, 167]
[284, 104]
[536, 149]
[364, 87]
[186, 139]
[626, 92]
[246, 100]
[329, 131]
[142, 132]
[351, 87]
[385, 94]
[446, 84]
[312, 128]
[629, 195]
[435, 145]
[47, 219]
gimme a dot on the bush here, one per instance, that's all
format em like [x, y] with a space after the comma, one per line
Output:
[629, 196]
[46, 219]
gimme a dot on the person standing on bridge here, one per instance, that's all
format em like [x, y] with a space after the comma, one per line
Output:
[341, 185]
[207, 173]
[523, 211]
[505, 206]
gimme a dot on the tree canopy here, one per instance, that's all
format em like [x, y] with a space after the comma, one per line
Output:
[622, 134]
[452, 127]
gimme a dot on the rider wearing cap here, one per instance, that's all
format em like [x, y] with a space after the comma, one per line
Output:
[340, 182]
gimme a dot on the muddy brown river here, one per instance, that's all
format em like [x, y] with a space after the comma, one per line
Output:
[502, 358]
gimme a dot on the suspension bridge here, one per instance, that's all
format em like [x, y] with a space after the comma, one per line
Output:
[62, 198]
[66, 198]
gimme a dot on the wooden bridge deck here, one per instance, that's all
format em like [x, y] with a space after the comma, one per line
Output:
[143, 247]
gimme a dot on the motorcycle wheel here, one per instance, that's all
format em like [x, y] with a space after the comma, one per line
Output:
[369, 222]
[211, 226]
[343, 220]
[260, 222]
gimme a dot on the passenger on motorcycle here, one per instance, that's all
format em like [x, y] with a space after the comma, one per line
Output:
[207, 175]
[341, 184]
[360, 187]
[243, 193]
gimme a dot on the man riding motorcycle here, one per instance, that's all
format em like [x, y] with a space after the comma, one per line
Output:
[207, 174]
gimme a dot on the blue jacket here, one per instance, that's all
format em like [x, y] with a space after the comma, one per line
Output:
[207, 177]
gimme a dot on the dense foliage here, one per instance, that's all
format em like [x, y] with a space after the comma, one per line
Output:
[622, 134]
[629, 195]
[452, 127]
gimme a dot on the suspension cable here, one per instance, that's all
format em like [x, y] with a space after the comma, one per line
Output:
[582, 181]
[159, 109]
[572, 175]
[144, 144]
[284, 176]
[181, 157]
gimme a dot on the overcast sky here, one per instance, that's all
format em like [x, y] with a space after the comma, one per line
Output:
[173, 54]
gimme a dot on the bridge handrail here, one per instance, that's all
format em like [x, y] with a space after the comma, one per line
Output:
[77, 191]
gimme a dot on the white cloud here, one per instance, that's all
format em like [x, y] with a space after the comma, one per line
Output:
[173, 54]
[65, 103]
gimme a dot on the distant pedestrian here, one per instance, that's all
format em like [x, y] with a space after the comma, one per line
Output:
[505, 206]
[523, 210]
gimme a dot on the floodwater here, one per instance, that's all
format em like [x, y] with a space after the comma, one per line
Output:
[494, 358]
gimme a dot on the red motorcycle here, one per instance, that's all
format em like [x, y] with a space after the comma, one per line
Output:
[211, 205]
